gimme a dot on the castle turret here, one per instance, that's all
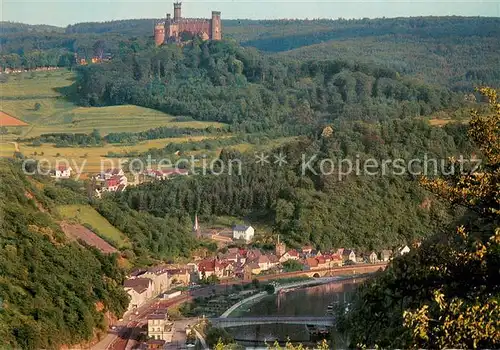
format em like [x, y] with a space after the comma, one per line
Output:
[177, 11]
[216, 26]
[159, 34]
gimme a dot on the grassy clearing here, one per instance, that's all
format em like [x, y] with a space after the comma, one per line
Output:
[56, 114]
[85, 214]
[7, 149]
[93, 156]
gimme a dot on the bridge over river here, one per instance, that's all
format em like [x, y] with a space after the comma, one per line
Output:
[296, 320]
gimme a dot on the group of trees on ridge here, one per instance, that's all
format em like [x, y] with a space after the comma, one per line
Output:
[223, 82]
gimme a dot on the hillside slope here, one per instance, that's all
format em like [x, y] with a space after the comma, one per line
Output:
[51, 290]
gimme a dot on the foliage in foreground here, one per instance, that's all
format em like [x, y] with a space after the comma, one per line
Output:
[446, 294]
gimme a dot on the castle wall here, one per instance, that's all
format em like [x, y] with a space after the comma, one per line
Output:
[171, 30]
[195, 26]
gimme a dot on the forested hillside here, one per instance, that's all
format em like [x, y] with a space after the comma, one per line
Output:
[325, 210]
[52, 292]
[456, 52]
[446, 293]
[220, 81]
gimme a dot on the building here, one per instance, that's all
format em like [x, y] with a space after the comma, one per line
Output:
[289, 255]
[160, 277]
[154, 344]
[110, 180]
[177, 28]
[243, 232]
[403, 250]
[179, 276]
[139, 290]
[62, 172]
[349, 255]
[373, 258]
[159, 327]
[386, 255]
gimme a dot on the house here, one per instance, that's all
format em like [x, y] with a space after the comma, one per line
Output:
[111, 180]
[139, 289]
[251, 269]
[159, 327]
[179, 276]
[403, 250]
[263, 262]
[160, 277]
[154, 344]
[335, 260]
[62, 172]
[273, 260]
[349, 255]
[289, 255]
[311, 263]
[306, 250]
[243, 232]
[372, 258]
[109, 173]
[323, 262]
[386, 255]
[211, 267]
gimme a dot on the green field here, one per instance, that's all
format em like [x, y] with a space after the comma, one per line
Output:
[56, 114]
[85, 214]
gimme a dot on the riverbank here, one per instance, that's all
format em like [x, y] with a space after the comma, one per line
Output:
[300, 284]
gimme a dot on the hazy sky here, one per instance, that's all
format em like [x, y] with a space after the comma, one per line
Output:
[64, 12]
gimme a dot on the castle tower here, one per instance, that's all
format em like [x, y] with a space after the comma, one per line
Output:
[177, 11]
[159, 34]
[216, 26]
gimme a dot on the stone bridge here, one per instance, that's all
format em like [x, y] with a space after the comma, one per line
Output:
[246, 321]
[357, 269]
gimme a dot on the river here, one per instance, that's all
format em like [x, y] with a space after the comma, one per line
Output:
[308, 301]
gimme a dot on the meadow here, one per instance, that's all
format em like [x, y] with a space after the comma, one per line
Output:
[35, 99]
[85, 214]
[93, 157]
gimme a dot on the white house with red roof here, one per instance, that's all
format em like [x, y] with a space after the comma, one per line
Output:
[62, 172]
[289, 255]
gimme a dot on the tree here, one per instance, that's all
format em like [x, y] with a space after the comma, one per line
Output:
[444, 294]
[471, 320]
[292, 265]
[37, 106]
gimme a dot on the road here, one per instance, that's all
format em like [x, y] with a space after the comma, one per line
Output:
[117, 340]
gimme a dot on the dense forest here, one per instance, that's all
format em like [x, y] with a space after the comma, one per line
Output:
[457, 52]
[446, 293]
[50, 289]
[323, 209]
[224, 82]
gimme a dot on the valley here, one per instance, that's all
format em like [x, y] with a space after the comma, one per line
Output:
[354, 145]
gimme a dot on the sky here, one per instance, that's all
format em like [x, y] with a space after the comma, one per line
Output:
[64, 12]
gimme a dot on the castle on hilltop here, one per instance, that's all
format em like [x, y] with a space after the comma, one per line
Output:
[172, 29]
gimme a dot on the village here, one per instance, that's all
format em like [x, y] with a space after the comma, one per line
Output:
[230, 265]
[237, 260]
